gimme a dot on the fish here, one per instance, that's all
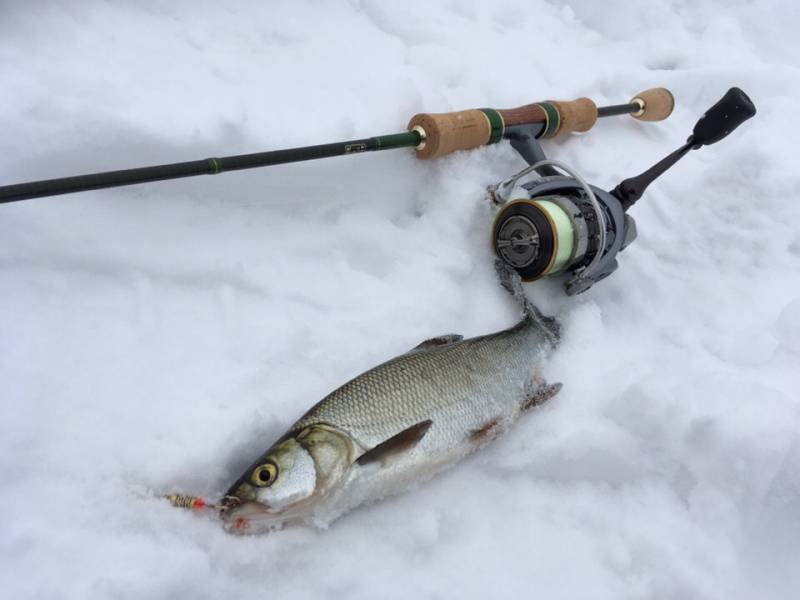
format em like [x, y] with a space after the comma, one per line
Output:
[397, 424]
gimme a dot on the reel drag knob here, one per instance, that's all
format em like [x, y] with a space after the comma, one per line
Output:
[534, 236]
[517, 241]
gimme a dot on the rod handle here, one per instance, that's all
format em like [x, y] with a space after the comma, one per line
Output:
[444, 133]
[655, 104]
[559, 116]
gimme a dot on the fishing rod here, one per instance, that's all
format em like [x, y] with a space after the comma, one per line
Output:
[432, 135]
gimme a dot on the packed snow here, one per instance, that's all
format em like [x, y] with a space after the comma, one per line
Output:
[157, 338]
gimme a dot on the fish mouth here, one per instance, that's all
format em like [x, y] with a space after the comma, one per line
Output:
[247, 516]
[250, 516]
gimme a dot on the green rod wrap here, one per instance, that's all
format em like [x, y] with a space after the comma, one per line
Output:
[214, 166]
[553, 119]
[496, 122]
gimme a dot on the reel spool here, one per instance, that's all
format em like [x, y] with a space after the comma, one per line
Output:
[538, 237]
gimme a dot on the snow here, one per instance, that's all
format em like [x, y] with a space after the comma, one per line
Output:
[157, 338]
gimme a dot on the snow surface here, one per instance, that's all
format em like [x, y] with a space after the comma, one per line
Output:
[156, 338]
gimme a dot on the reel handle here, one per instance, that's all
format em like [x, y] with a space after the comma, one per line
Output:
[733, 109]
[443, 133]
[730, 111]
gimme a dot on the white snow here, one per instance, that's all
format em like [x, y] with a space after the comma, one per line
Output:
[157, 338]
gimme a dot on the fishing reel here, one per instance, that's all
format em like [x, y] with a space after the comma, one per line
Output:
[551, 221]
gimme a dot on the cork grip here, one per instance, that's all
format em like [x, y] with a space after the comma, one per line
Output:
[575, 115]
[447, 132]
[655, 104]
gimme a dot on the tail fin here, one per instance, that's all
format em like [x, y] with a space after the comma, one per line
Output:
[512, 283]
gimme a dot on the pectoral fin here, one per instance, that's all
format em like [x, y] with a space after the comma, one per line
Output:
[439, 340]
[397, 444]
[485, 432]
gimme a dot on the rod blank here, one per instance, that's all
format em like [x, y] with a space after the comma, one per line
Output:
[208, 166]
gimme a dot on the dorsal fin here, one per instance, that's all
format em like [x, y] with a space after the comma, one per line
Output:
[397, 444]
[439, 340]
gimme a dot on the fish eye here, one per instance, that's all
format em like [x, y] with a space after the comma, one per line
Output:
[264, 475]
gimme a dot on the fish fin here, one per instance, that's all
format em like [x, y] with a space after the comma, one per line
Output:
[403, 441]
[512, 283]
[485, 432]
[439, 340]
[541, 394]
